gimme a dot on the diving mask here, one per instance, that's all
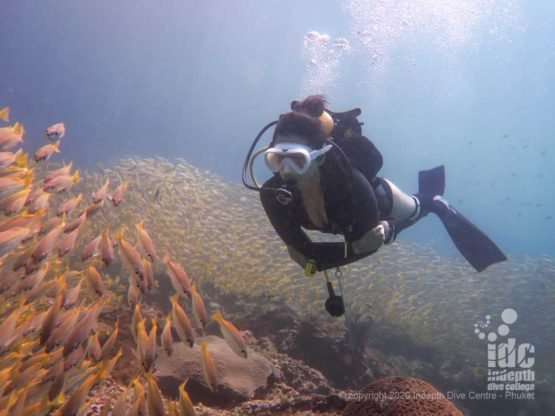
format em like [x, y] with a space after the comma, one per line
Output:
[292, 157]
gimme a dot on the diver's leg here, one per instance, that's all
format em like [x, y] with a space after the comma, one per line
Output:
[474, 245]
[399, 210]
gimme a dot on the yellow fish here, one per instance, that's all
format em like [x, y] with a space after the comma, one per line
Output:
[132, 260]
[72, 406]
[100, 194]
[110, 342]
[91, 249]
[63, 171]
[11, 136]
[199, 310]
[95, 282]
[93, 347]
[166, 337]
[154, 400]
[47, 244]
[76, 223]
[14, 203]
[46, 151]
[68, 242]
[67, 207]
[208, 366]
[14, 183]
[106, 248]
[61, 183]
[117, 196]
[72, 295]
[185, 403]
[50, 319]
[56, 131]
[146, 242]
[135, 319]
[232, 335]
[8, 158]
[38, 201]
[139, 404]
[68, 321]
[182, 323]
[179, 277]
[81, 331]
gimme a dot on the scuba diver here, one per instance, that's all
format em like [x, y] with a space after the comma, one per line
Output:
[325, 179]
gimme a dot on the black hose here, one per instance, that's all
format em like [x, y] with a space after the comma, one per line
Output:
[249, 154]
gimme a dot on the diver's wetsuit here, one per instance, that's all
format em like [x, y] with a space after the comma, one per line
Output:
[350, 203]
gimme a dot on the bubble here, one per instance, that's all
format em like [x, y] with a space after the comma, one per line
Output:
[323, 61]
[492, 337]
[481, 335]
[503, 330]
[509, 316]
[488, 317]
[475, 325]
[312, 35]
[476, 331]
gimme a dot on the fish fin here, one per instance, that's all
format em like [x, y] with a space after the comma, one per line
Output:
[5, 114]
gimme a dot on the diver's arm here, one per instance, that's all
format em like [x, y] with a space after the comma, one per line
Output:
[326, 254]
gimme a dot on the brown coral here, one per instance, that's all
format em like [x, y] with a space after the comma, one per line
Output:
[400, 396]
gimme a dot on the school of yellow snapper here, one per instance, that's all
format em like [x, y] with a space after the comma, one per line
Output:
[54, 287]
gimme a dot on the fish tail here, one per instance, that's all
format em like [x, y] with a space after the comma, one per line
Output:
[18, 129]
[75, 176]
[217, 316]
[5, 114]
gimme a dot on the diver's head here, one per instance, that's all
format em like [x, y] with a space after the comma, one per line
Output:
[299, 143]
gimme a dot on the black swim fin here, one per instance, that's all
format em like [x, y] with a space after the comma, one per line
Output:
[475, 246]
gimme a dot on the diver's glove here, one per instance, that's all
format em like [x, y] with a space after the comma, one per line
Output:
[373, 239]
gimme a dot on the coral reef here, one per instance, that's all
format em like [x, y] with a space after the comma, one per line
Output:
[238, 379]
[400, 396]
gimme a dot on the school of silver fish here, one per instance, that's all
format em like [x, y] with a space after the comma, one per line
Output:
[219, 230]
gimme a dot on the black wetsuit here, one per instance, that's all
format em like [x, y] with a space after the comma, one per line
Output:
[350, 203]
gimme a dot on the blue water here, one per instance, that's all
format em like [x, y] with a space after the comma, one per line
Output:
[198, 79]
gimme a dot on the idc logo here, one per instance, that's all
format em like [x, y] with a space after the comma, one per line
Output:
[509, 363]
